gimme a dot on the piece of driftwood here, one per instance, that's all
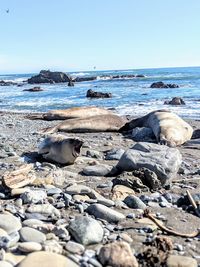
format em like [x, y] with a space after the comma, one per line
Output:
[20, 177]
[192, 202]
[167, 230]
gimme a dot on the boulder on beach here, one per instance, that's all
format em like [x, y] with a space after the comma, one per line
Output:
[175, 101]
[94, 94]
[163, 85]
[34, 89]
[47, 76]
[164, 161]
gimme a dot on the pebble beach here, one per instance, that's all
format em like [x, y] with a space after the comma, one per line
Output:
[76, 216]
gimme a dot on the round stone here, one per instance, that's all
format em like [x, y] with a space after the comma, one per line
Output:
[86, 230]
[46, 259]
[28, 234]
[9, 223]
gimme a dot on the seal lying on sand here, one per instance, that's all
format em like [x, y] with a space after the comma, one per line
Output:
[71, 113]
[168, 128]
[60, 149]
[100, 123]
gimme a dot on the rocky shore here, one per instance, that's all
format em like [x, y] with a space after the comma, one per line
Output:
[77, 216]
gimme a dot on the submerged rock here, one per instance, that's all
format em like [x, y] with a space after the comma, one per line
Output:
[163, 85]
[175, 101]
[94, 94]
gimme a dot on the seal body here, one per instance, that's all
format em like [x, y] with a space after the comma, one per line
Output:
[71, 113]
[168, 128]
[60, 149]
[100, 123]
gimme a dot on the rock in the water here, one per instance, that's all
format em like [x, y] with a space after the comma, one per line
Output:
[46, 76]
[94, 94]
[102, 212]
[28, 234]
[175, 101]
[181, 261]
[34, 89]
[163, 85]
[9, 223]
[46, 259]
[117, 254]
[143, 134]
[86, 230]
[97, 170]
[164, 161]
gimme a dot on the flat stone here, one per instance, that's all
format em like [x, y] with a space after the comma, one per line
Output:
[102, 212]
[120, 192]
[46, 259]
[34, 196]
[9, 223]
[28, 234]
[19, 191]
[32, 223]
[181, 261]
[97, 170]
[81, 198]
[86, 230]
[117, 254]
[78, 190]
[45, 209]
[74, 247]
[29, 247]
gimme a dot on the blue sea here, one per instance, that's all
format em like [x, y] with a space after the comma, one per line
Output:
[130, 95]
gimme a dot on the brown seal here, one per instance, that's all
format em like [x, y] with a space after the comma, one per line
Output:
[60, 149]
[168, 127]
[100, 123]
[70, 113]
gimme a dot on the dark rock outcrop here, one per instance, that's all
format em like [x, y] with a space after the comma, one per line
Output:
[46, 76]
[34, 89]
[93, 94]
[163, 85]
[85, 79]
[71, 83]
[5, 83]
[175, 101]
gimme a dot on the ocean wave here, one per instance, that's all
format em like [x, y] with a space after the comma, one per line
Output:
[76, 74]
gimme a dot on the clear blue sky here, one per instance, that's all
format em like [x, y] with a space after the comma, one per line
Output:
[109, 34]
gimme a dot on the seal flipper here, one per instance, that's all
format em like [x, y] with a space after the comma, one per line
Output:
[139, 122]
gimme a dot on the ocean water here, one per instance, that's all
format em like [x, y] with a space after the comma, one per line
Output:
[130, 96]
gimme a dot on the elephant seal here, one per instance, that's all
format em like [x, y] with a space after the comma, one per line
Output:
[100, 123]
[168, 128]
[71, 113]
[60, 149]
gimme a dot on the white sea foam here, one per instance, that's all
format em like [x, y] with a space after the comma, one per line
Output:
[80, 73]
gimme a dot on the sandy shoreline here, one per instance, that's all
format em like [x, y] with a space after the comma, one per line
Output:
[20, 137]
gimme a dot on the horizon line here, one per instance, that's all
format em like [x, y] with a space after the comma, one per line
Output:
[97, 70]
